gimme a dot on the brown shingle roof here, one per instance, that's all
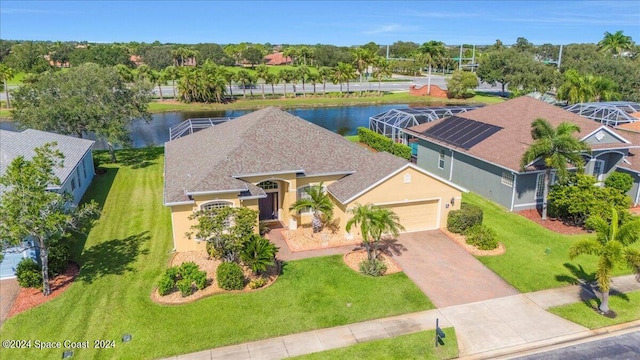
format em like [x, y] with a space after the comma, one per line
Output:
[505, 148]
[634, 126]
[264, 141]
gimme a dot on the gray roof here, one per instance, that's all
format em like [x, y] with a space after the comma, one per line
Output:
[267, 141]
[14, 144]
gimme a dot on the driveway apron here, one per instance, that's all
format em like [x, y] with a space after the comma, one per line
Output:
[9, 290]
[445, 272]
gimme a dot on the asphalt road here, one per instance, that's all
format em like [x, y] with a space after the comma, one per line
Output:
[621, 347]
[355, 85]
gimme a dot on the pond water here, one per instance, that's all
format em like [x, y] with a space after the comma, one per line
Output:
[343, 120]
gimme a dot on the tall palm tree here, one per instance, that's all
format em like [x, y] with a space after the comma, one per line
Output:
[585, 88]
[382, 71]
[556, 147]
[313, 79]
[325, 75]
[319, 203]
[343, 73]
[158, 78]
[261, 72]
[611, 245]
[615, 43]
[287, 75]
[229, 76]
[434, 52]
[363, 57]
[172, 74]
[272, 79]
[244, 78]
[6, 74]
[302, 73]
[374, 221]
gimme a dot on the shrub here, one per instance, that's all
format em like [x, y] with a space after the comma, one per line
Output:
[482, 237]
[468, 216]
[257, 283]
[620, 181]
[29, 274]
[166, 284]
[373, 268]
[230, 276]
[185, 286]
[258, 253]
[183, 276]
[58, 257]
[383, 143]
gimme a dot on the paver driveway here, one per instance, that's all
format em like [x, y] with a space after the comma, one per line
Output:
[445, 272]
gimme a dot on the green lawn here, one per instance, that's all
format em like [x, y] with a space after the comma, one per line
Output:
[353, 138]
[536, 258]
[128, 249]
[585, 314]
[413, 346]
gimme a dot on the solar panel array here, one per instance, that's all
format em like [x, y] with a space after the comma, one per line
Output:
[460, 132]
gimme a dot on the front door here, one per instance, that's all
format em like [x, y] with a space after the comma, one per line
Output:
[269, 207]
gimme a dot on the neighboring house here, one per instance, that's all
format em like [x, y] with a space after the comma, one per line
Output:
[75, 176]
[481, 150]
[277, 58]
[264, 161]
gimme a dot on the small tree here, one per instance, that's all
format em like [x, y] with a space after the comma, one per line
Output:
[28, 209]
[620, 181]
[611, 246]
[374, 221]
[226, 230]
[319, 203]
[461, 84]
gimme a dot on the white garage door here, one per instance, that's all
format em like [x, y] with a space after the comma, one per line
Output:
[417, 216]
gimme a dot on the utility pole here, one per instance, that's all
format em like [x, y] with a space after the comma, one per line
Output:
[460, 59]
[560, 57]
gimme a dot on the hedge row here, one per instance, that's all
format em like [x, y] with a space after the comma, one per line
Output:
[383, 143]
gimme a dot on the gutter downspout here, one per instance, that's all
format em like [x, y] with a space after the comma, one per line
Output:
[451, 167]
[513, 193]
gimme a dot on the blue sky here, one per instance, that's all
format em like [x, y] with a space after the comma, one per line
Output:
[313, 22]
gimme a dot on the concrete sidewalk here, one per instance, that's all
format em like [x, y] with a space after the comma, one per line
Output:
[484, 329]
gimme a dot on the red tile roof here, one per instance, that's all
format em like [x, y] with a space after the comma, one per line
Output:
[277, 58]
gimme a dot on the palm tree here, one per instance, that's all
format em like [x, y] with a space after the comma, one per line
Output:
[611, 245]
[272, 79]
[158, 78]
[302, 73]
[362, 58]
[244, 78]
[585, 88]
[258, 253]
[343, 73]
[318, 202]
[172, 74]
[382, 71]
[261, 71]
[313, 78]
[6, 74]
[615, 43]
[325, 75]
[556, 147]
[229, 76]
[374, 221]
[287, 75]
[434, 52]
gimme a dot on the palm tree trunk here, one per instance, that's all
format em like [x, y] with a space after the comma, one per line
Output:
[304, 92]
[545, 192]
[173, 82]
[160, 91]
[324, 88]
[6, 92]
[263, 97]
[244, 90]
[316, 223]
[429, 81]
[273, 91]
[604, 305]
[379, 86]
[285, 90]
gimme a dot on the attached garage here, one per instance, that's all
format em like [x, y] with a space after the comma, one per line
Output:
[417, 216]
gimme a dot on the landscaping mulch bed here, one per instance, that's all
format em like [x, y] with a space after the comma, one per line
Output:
[29, 297]
[354, 258]
[460, 240]
[303, 239]
[552, 224]
[202, 259]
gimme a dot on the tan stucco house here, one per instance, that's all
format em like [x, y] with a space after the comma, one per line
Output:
[264, 161]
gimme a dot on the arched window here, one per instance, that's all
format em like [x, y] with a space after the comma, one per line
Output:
[214, 205]
[302, 194]
[268, 185]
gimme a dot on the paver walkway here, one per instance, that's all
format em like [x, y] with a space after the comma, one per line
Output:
[9, 290]
[484, 329]
[446, 273]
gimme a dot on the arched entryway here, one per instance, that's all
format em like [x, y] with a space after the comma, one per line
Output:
[269, 205]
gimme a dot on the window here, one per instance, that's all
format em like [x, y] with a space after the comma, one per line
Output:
[302, 194]
[407, 178]
[84, 169]
[540, 186]
[507, 178]
[73, 184]
[218, 205]
[441, 159]
[79, 178]
[268, 185]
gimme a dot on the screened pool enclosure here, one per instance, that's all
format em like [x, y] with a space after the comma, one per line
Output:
[611, 113]
[390, 123]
